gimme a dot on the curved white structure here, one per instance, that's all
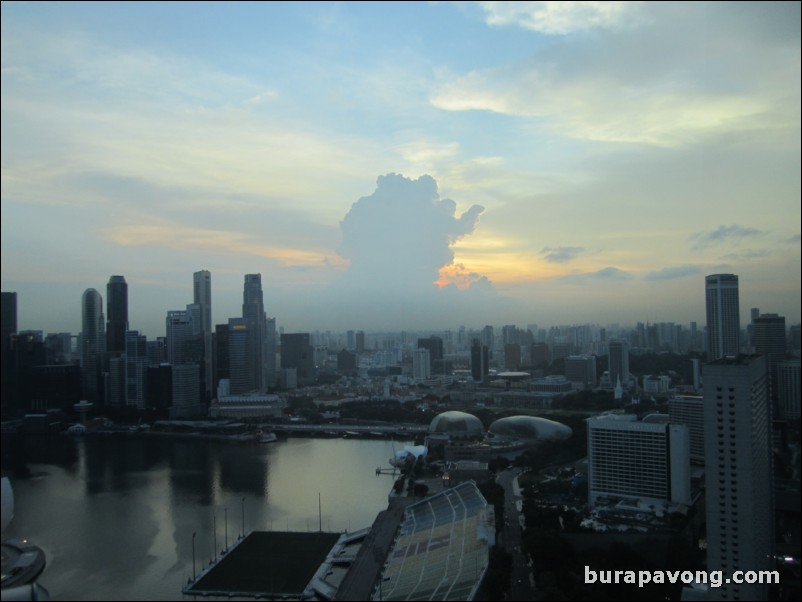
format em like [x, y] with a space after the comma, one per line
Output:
[457, 424]
[528, 428]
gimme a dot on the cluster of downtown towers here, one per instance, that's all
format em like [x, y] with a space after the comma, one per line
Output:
[118, 362]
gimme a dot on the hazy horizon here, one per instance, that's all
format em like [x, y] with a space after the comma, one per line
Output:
[389, 166]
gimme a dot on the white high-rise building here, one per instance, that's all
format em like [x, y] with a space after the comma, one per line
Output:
[740, 522]
[421, 366]
[723, 317]
[646, 461]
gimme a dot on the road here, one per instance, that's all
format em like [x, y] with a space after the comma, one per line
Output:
[522, 585]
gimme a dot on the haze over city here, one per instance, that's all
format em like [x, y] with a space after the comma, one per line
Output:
[410, 165]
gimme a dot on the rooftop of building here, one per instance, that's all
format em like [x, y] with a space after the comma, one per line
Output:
[267, 564]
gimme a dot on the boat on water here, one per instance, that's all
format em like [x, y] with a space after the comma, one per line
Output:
[267, 438]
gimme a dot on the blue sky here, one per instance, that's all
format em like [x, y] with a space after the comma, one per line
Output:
[497, 162]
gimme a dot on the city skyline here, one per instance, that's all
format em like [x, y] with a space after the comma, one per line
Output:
[401, 166]
[476, 327]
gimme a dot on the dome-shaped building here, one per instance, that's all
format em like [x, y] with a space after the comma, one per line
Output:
[457, 424]
[527, 428]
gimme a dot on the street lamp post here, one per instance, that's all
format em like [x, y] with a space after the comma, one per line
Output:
[194, 533]
[226, 520]
[214, 522]
[243, 517]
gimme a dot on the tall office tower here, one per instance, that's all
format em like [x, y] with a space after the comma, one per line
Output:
[296, 353]
[115, 382]
[360, 341]
[691, 373]
[788, 389]
[421, 364]
[222, 361]
[179, 330]
[186, 386]
[512, 356]
[690, 411]
[649, 461]
[253, 312]
[116, 315]
[202, 297]
[8, 327]
[754, 314]
[434, 345]
[239, 368]
[480, 361]
[581, 369]
[8, 319]
[723, 317]
[618, 362]
[488, 337]
[740, 523]
[58, 346]
[271, 350]
[93, 343]
[136, 367]
[768, 335]
[539, 353]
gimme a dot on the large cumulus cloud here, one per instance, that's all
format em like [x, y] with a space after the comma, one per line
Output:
[401, 235]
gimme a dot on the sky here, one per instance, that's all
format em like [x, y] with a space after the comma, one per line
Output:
[401, 165]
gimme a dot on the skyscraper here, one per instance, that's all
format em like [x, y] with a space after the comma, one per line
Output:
[202, 297]
[9, 327]
[253, 312]
[768, 335]
[9, 319]
[179, 335]
[480, 361]
[723, 317]
[93, 342]
[618, 362]
[116, 315]
[737, 421]
[296, 354]
[788, 389]
[136, 368]
[235, 348]
[421, 366]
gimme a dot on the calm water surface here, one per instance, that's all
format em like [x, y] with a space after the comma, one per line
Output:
[116, 515]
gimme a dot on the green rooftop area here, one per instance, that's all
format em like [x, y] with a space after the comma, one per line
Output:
[267, 562]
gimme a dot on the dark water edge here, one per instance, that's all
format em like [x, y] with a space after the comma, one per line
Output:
[115, 515]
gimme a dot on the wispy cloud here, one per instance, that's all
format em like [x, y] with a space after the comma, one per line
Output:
[604, 275]
[561, 254]
[673, 272]
[188, 239]
[640, 89]
[703, 240]
[560, 17]
[746, 255]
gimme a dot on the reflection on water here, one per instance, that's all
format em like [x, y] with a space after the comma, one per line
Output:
[115, 515]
